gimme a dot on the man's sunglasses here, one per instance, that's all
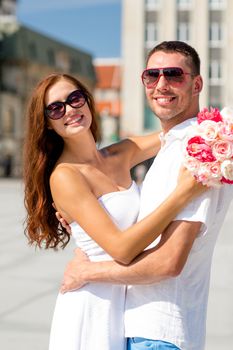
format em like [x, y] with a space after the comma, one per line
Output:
[173, 75]
[57, 110]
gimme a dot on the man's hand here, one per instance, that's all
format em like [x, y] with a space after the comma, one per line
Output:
[73, 275]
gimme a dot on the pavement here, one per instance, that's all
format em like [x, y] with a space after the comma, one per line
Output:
[30, 280]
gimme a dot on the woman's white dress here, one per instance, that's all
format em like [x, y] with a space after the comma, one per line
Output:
[91, 318]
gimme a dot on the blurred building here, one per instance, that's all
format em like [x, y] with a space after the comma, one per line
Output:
[108, 97]
[25, 57]
[204, 24]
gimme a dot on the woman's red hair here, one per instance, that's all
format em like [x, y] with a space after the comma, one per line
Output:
[42, 148]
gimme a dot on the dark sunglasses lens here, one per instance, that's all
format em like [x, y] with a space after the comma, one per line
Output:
[76, 99]
[150, 76]
[174, 74]
[55, 111]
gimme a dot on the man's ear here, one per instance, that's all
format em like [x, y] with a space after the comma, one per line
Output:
[198, 84]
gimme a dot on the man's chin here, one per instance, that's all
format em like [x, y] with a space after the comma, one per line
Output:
[165, 116]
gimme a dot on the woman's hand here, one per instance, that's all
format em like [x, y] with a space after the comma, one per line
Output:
[73, 276]
[63, 222]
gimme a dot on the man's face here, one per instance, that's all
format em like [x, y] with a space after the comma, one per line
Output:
[173, 104]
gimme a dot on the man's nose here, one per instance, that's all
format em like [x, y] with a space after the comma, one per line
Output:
[162, 82]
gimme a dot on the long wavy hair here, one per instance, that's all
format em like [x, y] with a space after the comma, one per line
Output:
[42, 148]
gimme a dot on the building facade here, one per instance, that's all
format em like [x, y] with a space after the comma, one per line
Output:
[204, 24]
[25, 57]
[108, 97]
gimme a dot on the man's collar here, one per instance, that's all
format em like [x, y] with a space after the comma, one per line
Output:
[179, 131]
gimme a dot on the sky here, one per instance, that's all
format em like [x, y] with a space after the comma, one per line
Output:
[90, 25]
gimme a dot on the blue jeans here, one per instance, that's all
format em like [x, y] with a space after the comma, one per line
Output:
[143, 344]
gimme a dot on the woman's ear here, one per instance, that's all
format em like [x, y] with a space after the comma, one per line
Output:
[198, 85]
[49, 126]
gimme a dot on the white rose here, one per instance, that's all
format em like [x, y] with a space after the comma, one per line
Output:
[227, 169]
[227, 114]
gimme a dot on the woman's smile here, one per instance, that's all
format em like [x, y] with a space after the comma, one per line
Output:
[75, 120]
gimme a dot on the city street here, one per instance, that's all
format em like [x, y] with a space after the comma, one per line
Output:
[30, 281]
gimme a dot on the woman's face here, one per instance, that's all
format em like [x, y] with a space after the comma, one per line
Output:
[75, 120]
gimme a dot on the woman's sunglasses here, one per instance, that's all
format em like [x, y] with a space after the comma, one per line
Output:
[57, 110]
[174, 76]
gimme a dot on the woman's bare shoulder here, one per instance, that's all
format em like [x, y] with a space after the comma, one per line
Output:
[67, 171]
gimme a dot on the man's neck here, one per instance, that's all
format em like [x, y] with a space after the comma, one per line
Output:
[169, 124]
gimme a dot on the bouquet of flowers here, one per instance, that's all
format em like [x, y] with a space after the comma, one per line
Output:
[209, 152]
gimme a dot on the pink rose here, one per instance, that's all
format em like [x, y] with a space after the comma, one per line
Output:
[208, 129]
[230, 182]
[209, 149]
[198, 149]
[210, 174]
[205, 114]
[226, 131]
[222, 150]
[192, 164]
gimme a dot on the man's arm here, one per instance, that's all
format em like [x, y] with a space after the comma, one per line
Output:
[166, 260]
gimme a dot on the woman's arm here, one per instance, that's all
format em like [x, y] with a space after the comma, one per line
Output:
[75, 200]
[145, 147]
[137, 149]
[164, 261]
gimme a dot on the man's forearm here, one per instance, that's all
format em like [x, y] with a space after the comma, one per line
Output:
[166, 260]
[145, 269]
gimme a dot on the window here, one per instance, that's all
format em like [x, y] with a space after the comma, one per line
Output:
[149, 119]
[151, 34]
[32, 50]
[215, 96]
[51, 57]
[215, 33]
[62, 60]
[75, 65]
[8, 121]
[183, 31]
[217, 4]
[215, 72]
[184, 4]
[152, 4]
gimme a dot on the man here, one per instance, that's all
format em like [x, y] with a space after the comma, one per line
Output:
[167, 296]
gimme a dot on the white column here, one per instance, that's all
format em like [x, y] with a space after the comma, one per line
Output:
[167, 20]
[227, 57]
[133, 63]
[200, 41]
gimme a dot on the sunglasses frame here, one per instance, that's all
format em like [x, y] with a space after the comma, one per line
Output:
[161, 73]
[68, 101]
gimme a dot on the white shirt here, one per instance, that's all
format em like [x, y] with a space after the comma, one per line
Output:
[174, 310]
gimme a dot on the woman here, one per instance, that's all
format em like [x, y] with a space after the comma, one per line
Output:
[94, 192]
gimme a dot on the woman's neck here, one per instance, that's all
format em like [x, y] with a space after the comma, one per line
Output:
[81, 150]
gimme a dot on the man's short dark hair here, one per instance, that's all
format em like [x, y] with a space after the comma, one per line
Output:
[182, 48]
